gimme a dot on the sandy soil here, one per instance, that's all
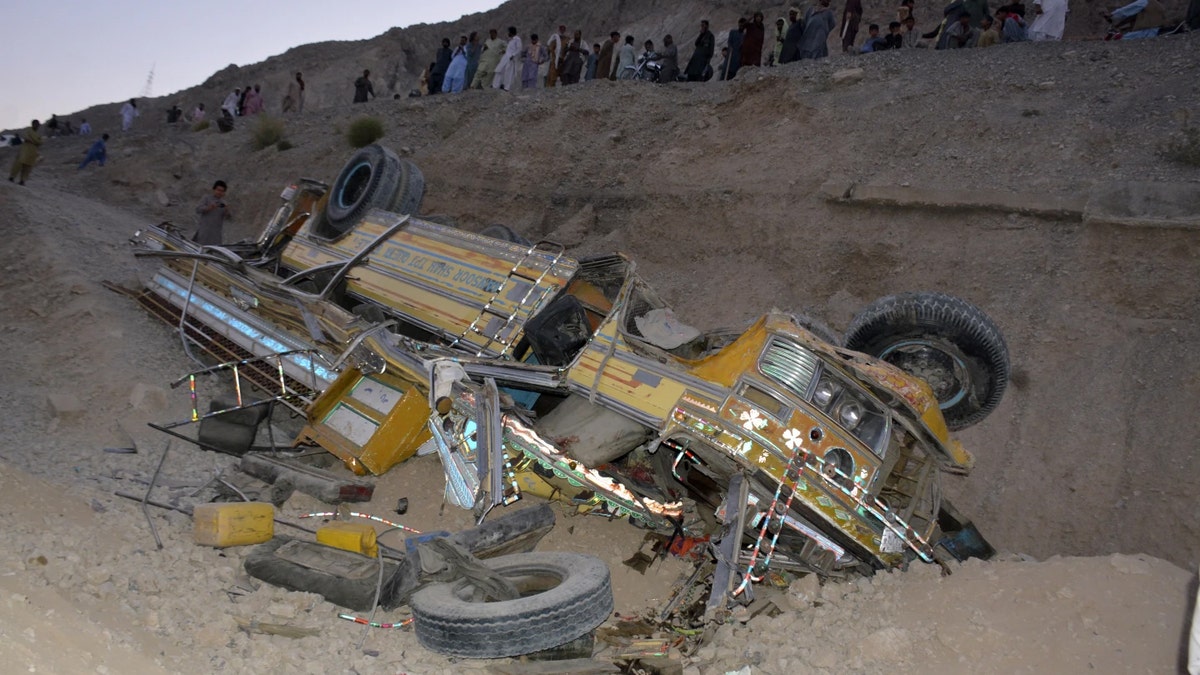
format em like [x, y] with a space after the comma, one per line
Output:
[713, 189]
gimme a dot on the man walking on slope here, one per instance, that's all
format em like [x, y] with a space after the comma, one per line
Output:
[97, 153]
[27, 156]
[363, 87]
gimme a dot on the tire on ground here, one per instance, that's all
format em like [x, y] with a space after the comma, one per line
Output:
[564, 595]
[371, 178]
[945, 340]
[504, 233]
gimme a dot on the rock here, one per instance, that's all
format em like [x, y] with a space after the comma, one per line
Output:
[1130, 564]
[65, 406]
[147, 397]
[803, 592]
[162, 198]
[847, 76]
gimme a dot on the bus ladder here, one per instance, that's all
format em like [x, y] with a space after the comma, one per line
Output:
[479, 325]
[772, 521]
[237, 368]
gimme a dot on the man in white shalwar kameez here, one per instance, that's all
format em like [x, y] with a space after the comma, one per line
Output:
[1050, 20]
[510, 63]
[128, 112]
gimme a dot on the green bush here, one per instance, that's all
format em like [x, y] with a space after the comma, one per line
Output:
[364, 131]
[200, 126]
[284, 144]
[267, 132]
[1183, 148]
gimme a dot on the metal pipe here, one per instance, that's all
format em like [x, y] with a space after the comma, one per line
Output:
[187, 301]
[146, 497]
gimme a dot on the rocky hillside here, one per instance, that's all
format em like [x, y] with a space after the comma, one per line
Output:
[1054, 185]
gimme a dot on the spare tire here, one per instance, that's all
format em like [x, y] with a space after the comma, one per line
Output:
[504, 233]
[563, 596]
[410, 191]
[944, 340]
[371, 178]
[818, 328]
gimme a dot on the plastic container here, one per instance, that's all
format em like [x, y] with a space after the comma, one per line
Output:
[353, 537]
[233, 524]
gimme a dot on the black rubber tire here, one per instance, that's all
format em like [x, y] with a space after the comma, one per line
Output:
[411, 189]
[504, 233]
[448, 622]
[371, 178]
[946, 341]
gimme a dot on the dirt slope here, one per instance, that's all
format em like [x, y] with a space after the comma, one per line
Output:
[714, 190]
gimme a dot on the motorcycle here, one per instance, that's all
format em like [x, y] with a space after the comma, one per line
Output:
[647, 68]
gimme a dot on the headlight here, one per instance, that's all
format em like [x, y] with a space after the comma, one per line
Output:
[825, 392]
[850, 414]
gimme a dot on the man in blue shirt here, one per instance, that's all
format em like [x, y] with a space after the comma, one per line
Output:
[97, 153]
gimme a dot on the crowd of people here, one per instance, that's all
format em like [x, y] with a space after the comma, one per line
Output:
[565, 58]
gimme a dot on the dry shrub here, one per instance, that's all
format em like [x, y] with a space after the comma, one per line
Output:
[267, 131]
[364, 131]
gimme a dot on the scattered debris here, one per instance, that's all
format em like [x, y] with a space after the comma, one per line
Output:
[253, 626]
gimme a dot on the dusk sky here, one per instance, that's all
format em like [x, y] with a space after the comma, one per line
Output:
[63, 56]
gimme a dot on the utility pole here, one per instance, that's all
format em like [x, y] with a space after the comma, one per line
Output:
[148, 90]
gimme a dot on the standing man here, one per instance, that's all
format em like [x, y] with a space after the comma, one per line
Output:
[752, 41]
[818, 24]
[1050, 17]
[213, 213]
[97, 153]
[457, 71]
[27, 156]
[604, 64]
[593, 62]
[229, 105]
[556, 49]
[294, 99]
[669, 61]
[734, 42]
[850, 18]
[705, 43]
[128, 112]
[574, 57]
[441, 64]
[493, 49]
[791, 39]
[625, 58]
[363, 87]
[474, 49]
[510, 63]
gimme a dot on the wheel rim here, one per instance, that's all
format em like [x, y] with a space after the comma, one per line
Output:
[941, 365]
[355, 184]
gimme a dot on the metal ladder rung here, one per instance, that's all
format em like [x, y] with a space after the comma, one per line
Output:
[508, 319]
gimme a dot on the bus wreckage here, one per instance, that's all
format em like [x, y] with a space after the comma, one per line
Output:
[529, 371]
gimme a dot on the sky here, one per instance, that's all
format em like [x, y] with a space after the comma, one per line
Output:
[67, 55]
